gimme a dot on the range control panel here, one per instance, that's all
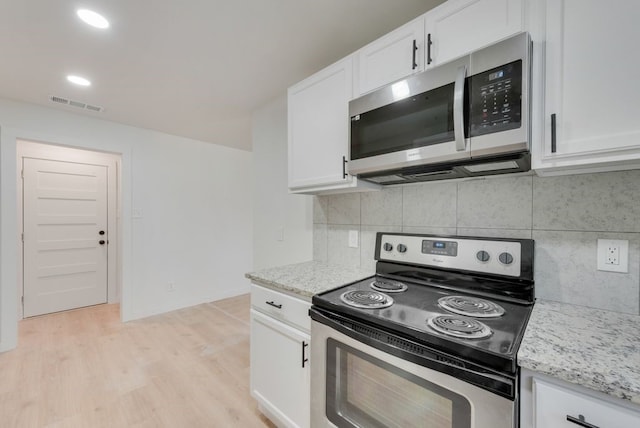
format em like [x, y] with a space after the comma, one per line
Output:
[478, 255]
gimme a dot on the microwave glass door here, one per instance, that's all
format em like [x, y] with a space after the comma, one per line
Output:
[417, 121]
[365, 391]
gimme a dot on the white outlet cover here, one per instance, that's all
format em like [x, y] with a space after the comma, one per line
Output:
[603, 245]
[353, 238]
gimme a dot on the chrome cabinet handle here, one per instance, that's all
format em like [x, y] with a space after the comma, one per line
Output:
[580, 421]
[458, 112]
[429, 43]
[304, 359]
[414, 64]
[275, 305]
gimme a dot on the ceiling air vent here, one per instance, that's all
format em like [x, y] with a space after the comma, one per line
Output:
[77, 104]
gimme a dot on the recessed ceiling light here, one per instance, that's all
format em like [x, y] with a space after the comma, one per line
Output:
[93, 18]
[78, 80]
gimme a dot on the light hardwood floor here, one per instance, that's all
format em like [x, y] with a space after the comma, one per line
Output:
[84, 368]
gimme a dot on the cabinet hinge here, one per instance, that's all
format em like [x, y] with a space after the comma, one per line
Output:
[22, 234]
[23, 300]
[22, 173]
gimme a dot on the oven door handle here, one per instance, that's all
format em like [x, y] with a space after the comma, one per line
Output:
[458, 109]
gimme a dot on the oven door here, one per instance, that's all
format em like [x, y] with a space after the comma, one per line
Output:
[416, 121]
[356, 385]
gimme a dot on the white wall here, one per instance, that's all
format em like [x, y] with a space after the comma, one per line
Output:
[195, 199]
[274, 207]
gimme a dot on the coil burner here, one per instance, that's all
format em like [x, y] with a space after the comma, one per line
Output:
[464, 328]
[471, 306]
[389, 285]
[366, 299]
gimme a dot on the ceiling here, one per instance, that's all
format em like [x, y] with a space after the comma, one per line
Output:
[194, 68]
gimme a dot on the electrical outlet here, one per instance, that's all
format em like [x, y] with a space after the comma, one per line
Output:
[613, 255]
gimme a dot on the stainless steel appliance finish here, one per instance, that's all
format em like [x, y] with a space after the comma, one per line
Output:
[464, 118]
[400, 365]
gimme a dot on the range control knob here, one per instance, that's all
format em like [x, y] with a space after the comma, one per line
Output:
[402, 248]
[387, 246]
[505, 258]
[483, 256]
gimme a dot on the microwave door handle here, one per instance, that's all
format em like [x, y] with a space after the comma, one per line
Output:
[458, 109]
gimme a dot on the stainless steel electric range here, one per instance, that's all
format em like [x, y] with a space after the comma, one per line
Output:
[429, 341]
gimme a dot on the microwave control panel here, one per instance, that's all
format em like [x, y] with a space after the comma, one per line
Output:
[496, 99]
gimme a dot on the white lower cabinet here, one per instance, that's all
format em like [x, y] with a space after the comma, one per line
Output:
[280, 363]
[551, 403]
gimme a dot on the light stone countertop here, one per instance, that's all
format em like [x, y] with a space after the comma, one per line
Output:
[308, 278]
[589, 347]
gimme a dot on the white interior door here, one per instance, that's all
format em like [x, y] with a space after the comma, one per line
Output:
[65, 254]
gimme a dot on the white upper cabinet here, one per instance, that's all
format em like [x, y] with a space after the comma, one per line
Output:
[458, 27]
[319, 125]
[318, 112]
[393, 56]
[591, 109]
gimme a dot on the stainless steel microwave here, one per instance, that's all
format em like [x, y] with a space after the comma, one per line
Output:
[467, 117]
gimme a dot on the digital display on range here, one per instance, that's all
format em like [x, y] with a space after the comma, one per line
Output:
[440, 248]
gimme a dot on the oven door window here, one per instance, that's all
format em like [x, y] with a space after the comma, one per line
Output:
[363, 391]
[417, 121]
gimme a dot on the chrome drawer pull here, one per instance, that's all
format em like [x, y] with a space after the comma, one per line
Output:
[580, 421]
[275, 305]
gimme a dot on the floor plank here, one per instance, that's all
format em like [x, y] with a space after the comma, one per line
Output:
[84, 368]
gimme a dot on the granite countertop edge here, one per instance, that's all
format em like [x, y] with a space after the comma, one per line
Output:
[308, 278]
[592, 348]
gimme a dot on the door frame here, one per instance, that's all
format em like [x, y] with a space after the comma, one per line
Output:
[113, 163]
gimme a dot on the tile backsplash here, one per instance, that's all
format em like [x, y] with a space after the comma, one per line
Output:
[564, 215]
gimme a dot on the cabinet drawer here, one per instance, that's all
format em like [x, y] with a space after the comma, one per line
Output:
[554, 404]
[281, 306]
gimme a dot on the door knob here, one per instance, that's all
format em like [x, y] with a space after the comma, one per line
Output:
[101, 232]
[101, 242]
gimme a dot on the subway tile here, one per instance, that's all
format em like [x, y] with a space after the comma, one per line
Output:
[495, 203]
[339, 252]
[320, 242]
[565, 271]
[591, 202]
[344, 209]
[429, 205]
[320, 208]
[368, 243]
[382, 208]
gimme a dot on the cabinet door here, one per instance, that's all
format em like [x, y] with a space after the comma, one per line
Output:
[556, 406]
[458, 27]
[592, 83]
[279, 381]
[394, 56]
[318, 113]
